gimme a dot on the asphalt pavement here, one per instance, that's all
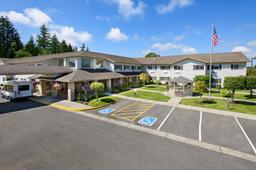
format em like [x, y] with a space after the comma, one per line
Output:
[41, 137]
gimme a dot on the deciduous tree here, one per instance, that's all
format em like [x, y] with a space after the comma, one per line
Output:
[98, 88]
[233, 84]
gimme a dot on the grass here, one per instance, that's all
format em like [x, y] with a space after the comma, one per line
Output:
[220, 104]
[146, 95]
[103, 101]
[161, 88]
[237, 95]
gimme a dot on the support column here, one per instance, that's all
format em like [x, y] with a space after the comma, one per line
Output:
[121, 81]
[109, 85]
[40, 88]
[71, 91]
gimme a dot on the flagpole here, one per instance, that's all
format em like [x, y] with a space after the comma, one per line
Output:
[210, 69]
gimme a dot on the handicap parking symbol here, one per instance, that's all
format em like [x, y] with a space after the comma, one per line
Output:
[149, 121]
[106, 111]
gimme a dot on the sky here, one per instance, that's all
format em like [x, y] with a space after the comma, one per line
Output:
[135, 27]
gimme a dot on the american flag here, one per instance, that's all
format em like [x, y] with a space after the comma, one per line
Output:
[215, 37]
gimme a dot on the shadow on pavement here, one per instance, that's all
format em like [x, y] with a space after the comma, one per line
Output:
[21, 104]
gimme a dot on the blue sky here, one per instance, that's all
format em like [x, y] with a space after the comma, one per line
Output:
[133, 28]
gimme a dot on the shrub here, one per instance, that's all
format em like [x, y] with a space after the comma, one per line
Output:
[98, 88]
[203, 78]
[226, 93]
[200, 87]
[144, 77]
[218, 86]
[157, 82]
[208, 101]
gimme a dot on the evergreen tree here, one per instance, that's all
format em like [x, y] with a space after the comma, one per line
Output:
[63, 46]
[83, 47]
[55, 45]
[43, 40]
[70, 48]
[31, 47]
[22, 53]
[9, 39]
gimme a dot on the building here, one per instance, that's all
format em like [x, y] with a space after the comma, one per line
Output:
[73, 70]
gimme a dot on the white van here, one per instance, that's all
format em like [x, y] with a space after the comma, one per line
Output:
[17, 89]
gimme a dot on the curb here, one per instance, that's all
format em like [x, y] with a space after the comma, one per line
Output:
[67, 108]
[219, 112]
[170, 136]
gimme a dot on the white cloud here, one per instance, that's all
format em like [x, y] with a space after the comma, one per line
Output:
[247, 51]
[128, 8]
[115, 34]
[162, 9]
[70, 35]
[252, 43]
[144, 52]
[30, 17]
[34, 17]
[168, 46]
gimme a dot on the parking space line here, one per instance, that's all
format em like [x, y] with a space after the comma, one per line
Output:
[200, 127]
[159, 127]
[248, 139]
[143, 112]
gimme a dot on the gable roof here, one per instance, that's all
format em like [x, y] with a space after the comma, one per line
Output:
[181, 79]
[82, 75]
[21, 69]
[231, 57]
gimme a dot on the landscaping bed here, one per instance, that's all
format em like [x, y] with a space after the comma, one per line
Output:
[146, 95]
[237, 95]
[103, 101]
[221, 104]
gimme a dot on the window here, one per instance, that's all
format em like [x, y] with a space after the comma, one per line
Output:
[86, 62]
[178, 67]
[198, 67]
[139, 68]
[8, 88]
[99, 63]
[23, 87]
[60, 62]
[127, 67]
[118, 67]
[150, 67]
[216, 80]
[165, 67]
[133, 68]
[72, 62]
[215, 67]
[153, 78]
[236, 66]
[164, 78]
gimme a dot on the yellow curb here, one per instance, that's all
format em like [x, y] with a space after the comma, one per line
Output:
[66, 108]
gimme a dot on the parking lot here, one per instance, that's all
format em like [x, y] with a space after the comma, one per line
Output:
[226, 131]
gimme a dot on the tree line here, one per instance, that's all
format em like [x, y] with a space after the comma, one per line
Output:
[11, 45]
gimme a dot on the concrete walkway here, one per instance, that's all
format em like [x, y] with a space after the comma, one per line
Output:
[174, 101]
[61, 104]
[220, 112]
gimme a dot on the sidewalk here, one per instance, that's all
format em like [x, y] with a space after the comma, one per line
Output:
[221, 112]
[60, 104]
[174, 101]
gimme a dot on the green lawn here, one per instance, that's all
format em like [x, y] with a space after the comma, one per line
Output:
[147, 95]
[237, 95]
[103, 101]
[161, 88]
[220, 104]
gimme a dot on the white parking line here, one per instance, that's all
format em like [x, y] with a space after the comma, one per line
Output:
[200, 127]
[248, 139]
[166, 117]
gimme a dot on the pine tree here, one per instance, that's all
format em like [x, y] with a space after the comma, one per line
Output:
[55, 45]
[70, 48]
[43, 40]
[31, 47]
[9, 39]
[63, 46]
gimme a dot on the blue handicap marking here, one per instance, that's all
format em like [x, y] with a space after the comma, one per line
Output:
[106, 111]
[149, 121]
